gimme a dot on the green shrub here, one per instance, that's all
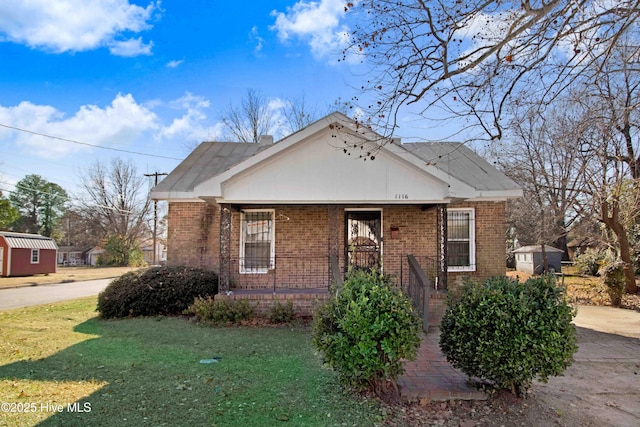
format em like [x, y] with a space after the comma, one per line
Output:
[220, 312]
[366, 331]
[281, 313]
[590, 261]
[118, 252]
[510, 333]
[158, 290]
[612, 274]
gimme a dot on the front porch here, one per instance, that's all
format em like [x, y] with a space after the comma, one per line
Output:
[308, 282]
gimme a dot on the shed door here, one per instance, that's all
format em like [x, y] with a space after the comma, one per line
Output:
[363, 239]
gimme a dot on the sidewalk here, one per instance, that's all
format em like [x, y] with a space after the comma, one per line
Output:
[431, 378]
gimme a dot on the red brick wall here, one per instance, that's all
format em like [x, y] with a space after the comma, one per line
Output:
[194, 235]
[194, 239]
[490, 241]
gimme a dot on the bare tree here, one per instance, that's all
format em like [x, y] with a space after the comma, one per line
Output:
[257, 115]
[611, 102]
[469, 58]
[297, 114]
[116, 202]
[250, 119]
[544, 160]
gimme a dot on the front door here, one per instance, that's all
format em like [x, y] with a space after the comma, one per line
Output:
[363, 239]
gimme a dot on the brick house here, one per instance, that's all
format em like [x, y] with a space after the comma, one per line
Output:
[283, 220]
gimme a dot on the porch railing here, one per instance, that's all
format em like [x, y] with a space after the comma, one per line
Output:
[430, 266]
[281, 272]
[419, 290]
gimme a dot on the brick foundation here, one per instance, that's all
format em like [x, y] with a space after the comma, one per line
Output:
[304, 304]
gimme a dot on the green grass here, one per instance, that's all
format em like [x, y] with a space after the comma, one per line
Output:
[147, 372]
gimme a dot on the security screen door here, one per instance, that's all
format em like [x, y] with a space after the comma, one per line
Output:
[363, 239]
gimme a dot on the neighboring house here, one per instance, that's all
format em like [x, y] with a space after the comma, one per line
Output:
[160, 255]
[93, 254]
[24, 254]
[274, 218]
[71, 255]
[578, 246]
[529, 259]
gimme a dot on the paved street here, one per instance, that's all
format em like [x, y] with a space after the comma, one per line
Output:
[44, 294]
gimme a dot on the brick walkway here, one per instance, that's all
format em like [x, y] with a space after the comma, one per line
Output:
[431, 378]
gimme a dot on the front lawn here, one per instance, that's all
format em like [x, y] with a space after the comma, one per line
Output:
[60, 365]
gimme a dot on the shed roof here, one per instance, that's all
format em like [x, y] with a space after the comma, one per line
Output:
[28, 241]
[537, 248]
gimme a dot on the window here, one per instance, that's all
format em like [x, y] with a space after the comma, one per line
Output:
[461, 250]
[257, 241]
[35, 256]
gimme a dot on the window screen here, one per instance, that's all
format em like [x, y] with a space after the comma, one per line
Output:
[257, 241]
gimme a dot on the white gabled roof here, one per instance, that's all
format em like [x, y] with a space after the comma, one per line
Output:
[28, 241]
[311, 166]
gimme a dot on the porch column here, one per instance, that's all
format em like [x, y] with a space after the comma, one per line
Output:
[333, 225]
[225, 248]
[442, 246]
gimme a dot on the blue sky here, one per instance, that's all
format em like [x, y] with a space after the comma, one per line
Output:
[152, 77]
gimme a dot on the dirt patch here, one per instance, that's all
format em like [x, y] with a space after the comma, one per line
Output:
[66, 275]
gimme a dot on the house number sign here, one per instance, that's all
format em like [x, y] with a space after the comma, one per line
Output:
[402, 196]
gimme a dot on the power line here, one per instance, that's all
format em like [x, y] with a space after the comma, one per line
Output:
[86, 143]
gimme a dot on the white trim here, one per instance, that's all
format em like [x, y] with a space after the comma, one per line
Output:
[272, 257]
[37, 251]
[472, 240]
[1, 259]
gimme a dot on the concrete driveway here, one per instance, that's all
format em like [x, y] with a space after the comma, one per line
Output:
[44, 294]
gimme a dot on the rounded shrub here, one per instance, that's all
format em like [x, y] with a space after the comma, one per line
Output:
[154, 291]
[365, 332]
[612, 274]
[510, 333]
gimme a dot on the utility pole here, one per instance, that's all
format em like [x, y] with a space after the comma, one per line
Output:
[155, 215]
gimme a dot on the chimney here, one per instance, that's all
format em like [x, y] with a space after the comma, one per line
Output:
[265, 140]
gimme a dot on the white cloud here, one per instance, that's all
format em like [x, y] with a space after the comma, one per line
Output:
[76, 25]
[120, 123]
[131, 47]
[175, 63]
[255, 37]
[318, 23]
[191, 126]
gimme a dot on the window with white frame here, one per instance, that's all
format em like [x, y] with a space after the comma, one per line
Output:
[257, 241]
[35, 256]
[461, 244]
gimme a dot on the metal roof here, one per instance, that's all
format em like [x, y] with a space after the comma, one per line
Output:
[28, 241]
[211, 159]
[537, 248]
[206, 161]
[459, 161]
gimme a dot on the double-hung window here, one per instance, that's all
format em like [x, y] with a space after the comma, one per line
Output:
[461, 245]
[257, 241]
[35, 256]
